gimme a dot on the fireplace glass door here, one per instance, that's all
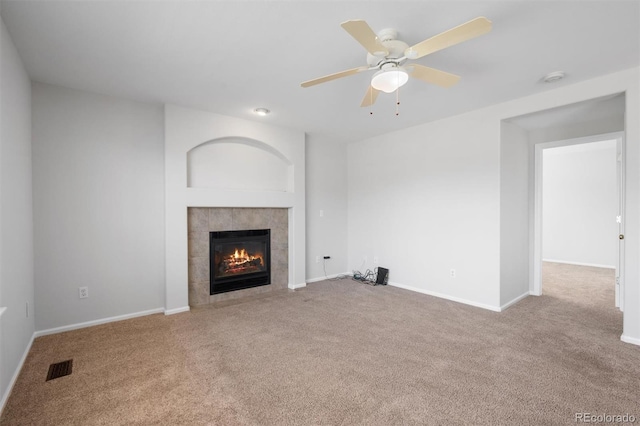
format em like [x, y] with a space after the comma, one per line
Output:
[239, 259]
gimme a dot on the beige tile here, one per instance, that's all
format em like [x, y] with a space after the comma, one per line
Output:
[220, 297]
[198, 244]
[198, 269]
[198, 293]
[263, 294]
[220, 219]
[280, 278]
[279, 239]
[239, 294]
[251, 218]
[197, 220]
[280, 218]
[279, 256]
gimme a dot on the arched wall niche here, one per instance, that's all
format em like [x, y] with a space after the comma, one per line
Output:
[238, 163]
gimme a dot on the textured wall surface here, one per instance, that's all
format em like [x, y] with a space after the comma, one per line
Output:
[201, 221]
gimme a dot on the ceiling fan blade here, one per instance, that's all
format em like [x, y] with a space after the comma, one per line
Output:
[364, 35]
[370, 97]
[335, 76]
[433, 76]
[474, 28]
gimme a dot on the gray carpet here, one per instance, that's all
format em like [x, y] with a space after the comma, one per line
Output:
[342, 353]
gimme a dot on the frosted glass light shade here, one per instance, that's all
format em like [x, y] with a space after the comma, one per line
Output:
[389, 80]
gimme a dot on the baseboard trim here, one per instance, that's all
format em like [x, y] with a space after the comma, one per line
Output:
[566, 262]
[96, 322]
[14, 378]
[296, 286]
[514, 301]
[631, 340]
[446, 296]
[176, 310]
[328, 277]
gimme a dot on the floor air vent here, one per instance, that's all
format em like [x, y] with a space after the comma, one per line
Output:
[59, 369]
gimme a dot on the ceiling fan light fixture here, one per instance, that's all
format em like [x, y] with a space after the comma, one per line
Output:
[390, 79]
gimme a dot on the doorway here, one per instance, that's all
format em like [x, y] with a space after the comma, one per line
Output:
[578, 206]
[522, 142]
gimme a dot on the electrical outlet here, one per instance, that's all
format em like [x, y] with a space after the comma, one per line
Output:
[321, 213]
[83, 292]
[452, 273]
[317, 259]
[375, 260]
[27, 309]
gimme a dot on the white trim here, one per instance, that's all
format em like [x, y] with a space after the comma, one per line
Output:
[96, 322]
[5, 397]
[296, 286]
[594, 265]
[631, 340]
[445, 296]
[176, 310]
[2, 310]
[514, 301]
[328, 277]
[535, 275]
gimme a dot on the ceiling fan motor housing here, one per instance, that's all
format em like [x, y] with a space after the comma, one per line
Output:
[396, 48]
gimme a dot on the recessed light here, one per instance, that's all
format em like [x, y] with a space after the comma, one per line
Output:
[261, 111]
[553, 76]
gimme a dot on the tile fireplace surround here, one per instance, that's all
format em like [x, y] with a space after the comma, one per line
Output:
[202, 220]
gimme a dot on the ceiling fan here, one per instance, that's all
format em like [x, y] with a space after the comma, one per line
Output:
[388, 56]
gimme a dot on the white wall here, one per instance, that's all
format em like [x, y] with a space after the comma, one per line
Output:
[425, 200]
[326, 166]
[434, 201]
[514, 211]
[186, 129]
[16, 209]
[98, 202]
[579, 204]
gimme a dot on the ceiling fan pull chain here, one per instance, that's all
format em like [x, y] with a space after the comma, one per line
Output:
[371, 101]
[397, 101]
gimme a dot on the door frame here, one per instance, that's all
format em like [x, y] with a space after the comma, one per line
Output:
[621, 189]
[535, 284]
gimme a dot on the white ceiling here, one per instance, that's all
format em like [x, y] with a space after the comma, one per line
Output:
[232, 56]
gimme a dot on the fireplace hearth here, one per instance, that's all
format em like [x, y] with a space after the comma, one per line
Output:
[239, 259]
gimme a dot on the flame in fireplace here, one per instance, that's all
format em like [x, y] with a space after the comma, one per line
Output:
[242, 256]
[241, 261]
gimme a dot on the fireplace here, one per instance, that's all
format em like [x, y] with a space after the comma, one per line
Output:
[239, 259]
